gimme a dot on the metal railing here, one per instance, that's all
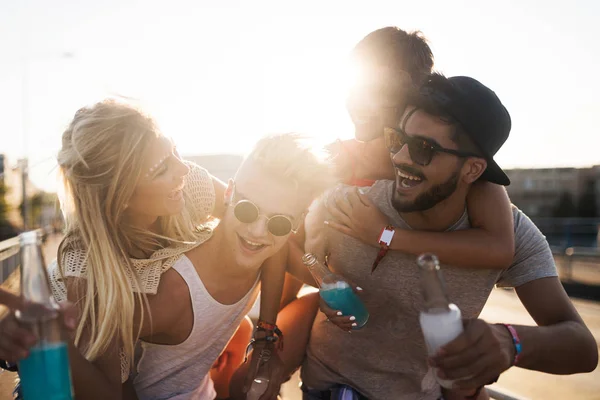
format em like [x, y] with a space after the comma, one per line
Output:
[10, 258]
[570, 232]
[571, 257]
[574, 254]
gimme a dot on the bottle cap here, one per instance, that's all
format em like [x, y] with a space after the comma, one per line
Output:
[309, 259]
[29, 237]
[428, 261]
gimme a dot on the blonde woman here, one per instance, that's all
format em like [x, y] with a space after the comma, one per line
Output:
[128, 221]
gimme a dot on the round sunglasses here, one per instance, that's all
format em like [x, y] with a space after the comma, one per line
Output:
[247, 212]
[421, 150]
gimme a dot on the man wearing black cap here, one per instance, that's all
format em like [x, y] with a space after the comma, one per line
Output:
[445, 142]
[475, 123]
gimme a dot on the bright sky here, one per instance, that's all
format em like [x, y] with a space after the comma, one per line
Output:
[219, 74]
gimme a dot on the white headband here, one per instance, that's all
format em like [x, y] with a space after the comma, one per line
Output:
[153, 168]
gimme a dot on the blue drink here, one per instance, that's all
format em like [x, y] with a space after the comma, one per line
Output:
[340, 296]
[336, 291]
[45, 373]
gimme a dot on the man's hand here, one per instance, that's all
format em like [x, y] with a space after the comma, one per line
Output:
[16, 339]
[477, 356]
[355, 215]
[265, 356]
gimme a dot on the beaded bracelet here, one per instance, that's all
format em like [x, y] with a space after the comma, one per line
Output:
[271, 330]
[516, 342]
[265, 325]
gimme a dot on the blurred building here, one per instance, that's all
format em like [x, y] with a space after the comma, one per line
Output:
[538, 191]
[10, 177]
[44, 211]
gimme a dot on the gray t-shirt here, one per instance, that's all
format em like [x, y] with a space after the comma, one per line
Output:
[387, 358]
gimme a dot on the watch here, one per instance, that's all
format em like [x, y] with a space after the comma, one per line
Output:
[385, 240]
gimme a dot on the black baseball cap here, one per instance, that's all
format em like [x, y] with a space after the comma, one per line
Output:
[478, 110]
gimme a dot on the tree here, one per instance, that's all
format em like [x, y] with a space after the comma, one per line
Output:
[587, 207]
[37, 203]
[7, 230]
[565, 208]
[4, 207]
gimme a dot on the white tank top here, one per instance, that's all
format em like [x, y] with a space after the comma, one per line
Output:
[181, 371]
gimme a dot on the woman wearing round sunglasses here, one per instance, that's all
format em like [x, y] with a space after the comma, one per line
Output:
[247, 212]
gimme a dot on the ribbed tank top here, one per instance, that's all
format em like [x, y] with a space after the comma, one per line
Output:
[181, 372]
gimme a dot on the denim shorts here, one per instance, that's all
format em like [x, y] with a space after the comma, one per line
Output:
[338, 392]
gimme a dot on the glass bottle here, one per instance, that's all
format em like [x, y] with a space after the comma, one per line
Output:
[336, 291]
[441, 321]
[45, 373]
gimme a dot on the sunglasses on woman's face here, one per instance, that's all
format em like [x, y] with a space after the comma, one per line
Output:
[247, 212]
[421, 150]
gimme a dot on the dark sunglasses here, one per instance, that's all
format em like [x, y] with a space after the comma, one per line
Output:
[421, 150]
[247, 212]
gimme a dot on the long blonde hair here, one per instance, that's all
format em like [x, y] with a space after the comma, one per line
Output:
[100, 164]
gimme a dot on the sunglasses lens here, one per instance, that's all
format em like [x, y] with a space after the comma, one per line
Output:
[280, 225]
[246, 212]
[420, 151]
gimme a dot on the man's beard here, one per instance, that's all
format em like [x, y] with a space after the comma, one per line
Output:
[430, 198]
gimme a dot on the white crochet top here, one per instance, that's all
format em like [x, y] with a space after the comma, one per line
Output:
[200, 191]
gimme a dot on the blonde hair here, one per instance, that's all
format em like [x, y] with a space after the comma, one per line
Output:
[100, 164]
[292, 156]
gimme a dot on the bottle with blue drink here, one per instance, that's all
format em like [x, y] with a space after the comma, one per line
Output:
[336, 291]
[45, 373]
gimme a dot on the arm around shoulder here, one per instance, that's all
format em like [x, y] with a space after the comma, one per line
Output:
[491, 214]
[489, 243]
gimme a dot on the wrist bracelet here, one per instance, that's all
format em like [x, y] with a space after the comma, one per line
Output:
[516, 342]
[385, 240]
[272, 331]
[8, 366]
[265, 325]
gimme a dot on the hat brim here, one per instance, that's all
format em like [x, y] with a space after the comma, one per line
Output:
[493, 173]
